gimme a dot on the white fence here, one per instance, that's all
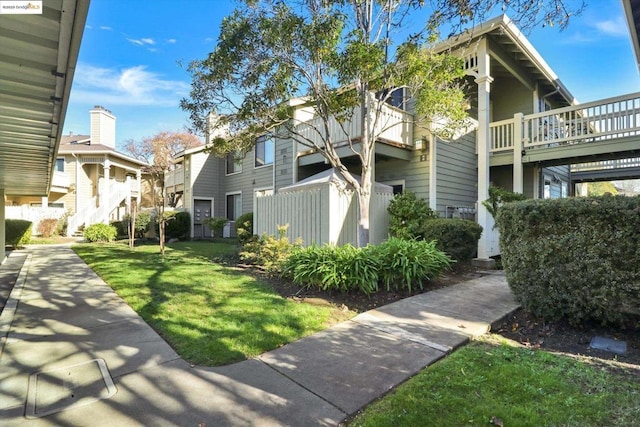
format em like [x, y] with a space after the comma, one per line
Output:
[33, 214]
[320, 215]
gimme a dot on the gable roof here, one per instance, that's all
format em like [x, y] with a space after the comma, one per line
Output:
[517, 52]
[81, 144]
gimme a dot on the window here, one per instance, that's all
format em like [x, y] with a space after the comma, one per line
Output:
[234, 164]
[234, 206]
[264, 151]
[394, 97]
[60, 165]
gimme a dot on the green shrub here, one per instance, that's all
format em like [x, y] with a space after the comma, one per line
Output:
[407, 215]
[100, 233]
[577, 258]
[178, 225]
[17, 232]
[47, 227]
[143, 221]
[406, 264]
[244, 227]
[341, 268]
[121, 228]
[61, 228]
[458, 238]
[269, 252]
[216, 225]
[498, 196]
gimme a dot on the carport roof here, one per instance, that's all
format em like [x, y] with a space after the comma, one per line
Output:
[38, 55]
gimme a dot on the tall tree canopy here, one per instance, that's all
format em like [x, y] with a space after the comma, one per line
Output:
[339, 58]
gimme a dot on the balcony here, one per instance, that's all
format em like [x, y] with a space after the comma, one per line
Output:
[60, 181]
[174, 180]
[394, 128]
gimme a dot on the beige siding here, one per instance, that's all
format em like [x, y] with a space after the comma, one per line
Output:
[457, 175]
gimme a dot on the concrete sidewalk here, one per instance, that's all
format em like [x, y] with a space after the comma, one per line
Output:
[76, 354]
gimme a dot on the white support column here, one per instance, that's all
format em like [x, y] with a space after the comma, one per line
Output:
[139, 186]
[518, 186]
[45, 202]
[3, 234]
[104, 195]
[484, 142]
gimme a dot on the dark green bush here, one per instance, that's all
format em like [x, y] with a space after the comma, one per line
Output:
[244, 227]
[17, 232]
[143, 221]
[178, 225]
[340, 268]
[121, 228]
[498, 196]
[216, 225]
[47, 227]
[100, 233]
[577, 258]
[407, 215]
[407, 264]
[458, 238]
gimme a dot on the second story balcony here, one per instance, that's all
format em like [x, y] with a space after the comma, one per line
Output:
[393, 127]
[174, 180]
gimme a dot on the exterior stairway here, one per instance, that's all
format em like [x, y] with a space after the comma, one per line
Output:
[91, 213]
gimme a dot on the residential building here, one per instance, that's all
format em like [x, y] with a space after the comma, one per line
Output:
[526, 129]
[92, 181]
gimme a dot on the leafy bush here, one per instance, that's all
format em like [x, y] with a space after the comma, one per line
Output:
[456, 237]
[47, 227]
[406, 264]
[178, 225]
[499, 196]
[143, 221]
[269, 252]
[341, 268]
[244, 227]
[575, 258]
[407, 215]
[216, 224]
[121, 228]
[100, 233]
[61, 228]
[17, 232]
[397, 263]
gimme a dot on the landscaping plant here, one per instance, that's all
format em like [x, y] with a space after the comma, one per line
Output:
[100, 233]
[577, 258]
[17, 232]
[458, 238]
[269, 252]
[216, 225]
[244, 227]
[407, 215]
[47, 227]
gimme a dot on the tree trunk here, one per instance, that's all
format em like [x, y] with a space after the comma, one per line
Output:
[132, 225]
[162, 221]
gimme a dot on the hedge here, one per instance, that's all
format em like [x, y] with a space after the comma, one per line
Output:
[100, 233]
[577, 258]
[458, 238]
[178, 225]
[17, 232]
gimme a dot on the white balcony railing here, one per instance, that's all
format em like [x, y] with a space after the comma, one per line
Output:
[606, 165]
[174, 178]
[393, 125]
[603, 120]
[60, 179]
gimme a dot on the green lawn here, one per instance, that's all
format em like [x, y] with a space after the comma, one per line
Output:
[210, 313]
[518, 386]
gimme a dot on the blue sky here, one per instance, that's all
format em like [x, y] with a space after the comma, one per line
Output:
[132, 49]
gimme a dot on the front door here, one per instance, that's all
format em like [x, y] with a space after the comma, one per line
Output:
[201, 211]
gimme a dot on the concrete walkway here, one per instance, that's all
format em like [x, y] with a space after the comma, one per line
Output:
[74, 353]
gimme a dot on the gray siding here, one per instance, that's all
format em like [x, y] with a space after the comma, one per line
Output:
[415, 173]
[509, 96]
[456, 169]
[206, 180]
[284, 162]
[247, 181]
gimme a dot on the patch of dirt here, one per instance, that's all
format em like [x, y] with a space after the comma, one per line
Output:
[359, 303]
[561, 337]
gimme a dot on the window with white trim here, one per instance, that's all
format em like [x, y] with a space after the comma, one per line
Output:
[265, 151]
[234, 206]
[234, 163]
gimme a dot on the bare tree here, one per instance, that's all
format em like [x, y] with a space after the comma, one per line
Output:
[159, 152]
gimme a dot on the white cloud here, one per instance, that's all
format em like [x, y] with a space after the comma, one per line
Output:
[171, 41]
[142, 42]
[129, 86]
[612, 27]
[106, 28]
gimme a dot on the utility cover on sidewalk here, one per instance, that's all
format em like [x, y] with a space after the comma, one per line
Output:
[63, 388]
[607, 344]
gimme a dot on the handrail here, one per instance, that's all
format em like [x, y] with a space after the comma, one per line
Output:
[90, 214]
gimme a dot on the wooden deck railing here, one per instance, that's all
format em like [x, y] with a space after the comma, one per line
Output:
[606, 165]
[583, 123]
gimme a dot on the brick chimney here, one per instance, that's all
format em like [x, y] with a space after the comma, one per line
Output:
[103, 127]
